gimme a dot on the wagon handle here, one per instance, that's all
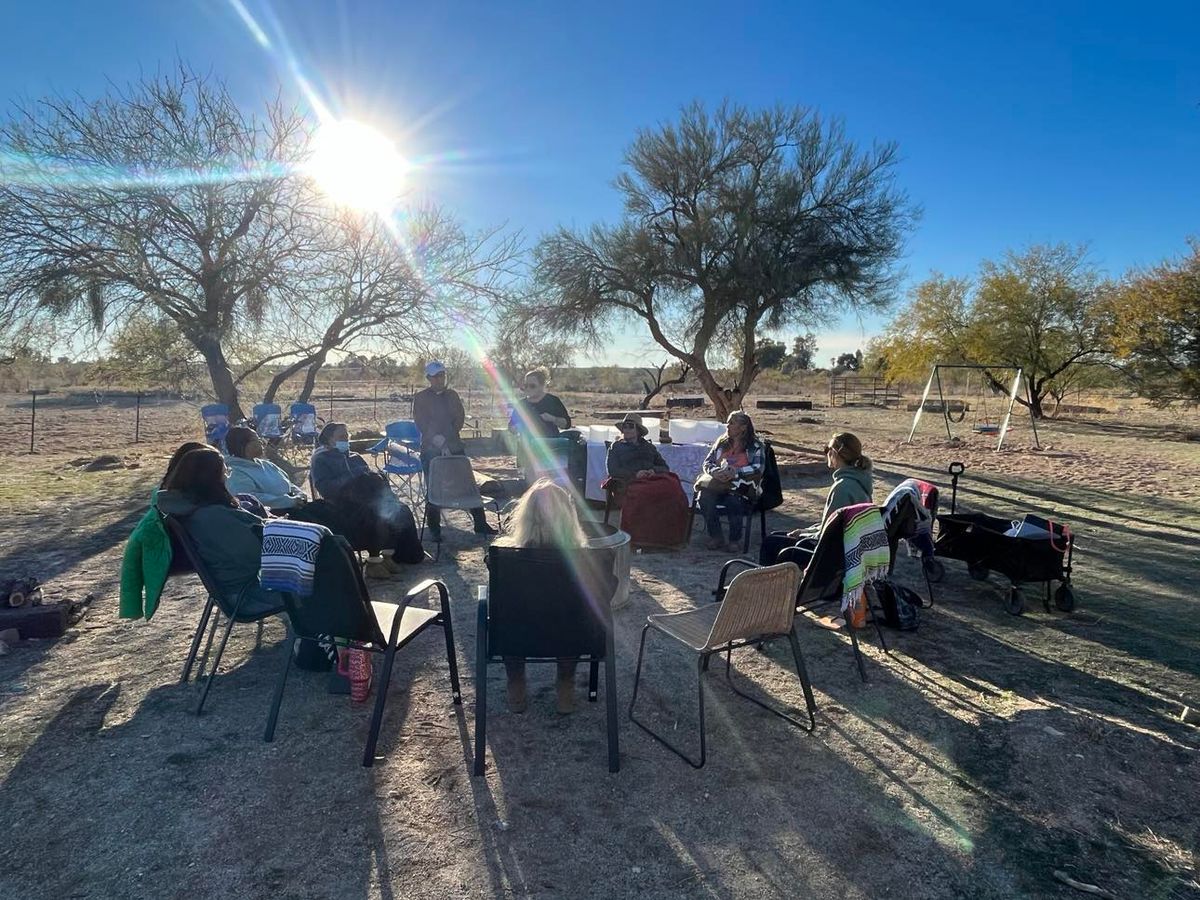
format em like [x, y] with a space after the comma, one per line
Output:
[1066, 533]
[954, 469]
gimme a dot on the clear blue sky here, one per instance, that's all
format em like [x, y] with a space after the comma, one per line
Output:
[1018, 122]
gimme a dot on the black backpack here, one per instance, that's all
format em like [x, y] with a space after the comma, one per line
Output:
[900, 605]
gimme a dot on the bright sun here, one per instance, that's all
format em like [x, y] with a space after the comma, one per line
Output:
[357, 166]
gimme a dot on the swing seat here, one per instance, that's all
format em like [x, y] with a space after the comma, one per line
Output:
[987, 429]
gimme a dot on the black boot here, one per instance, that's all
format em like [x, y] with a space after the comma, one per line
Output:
[433, 522]
[481, 522]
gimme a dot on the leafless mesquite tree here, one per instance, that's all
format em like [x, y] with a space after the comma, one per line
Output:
[736, 222]
[162, 195]
[405, 289]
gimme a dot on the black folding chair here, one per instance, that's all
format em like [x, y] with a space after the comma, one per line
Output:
[758, 605]
[547, 605]
[903, 525]
[219, 601]
[770, 496]
[340, 611]
[824, 567]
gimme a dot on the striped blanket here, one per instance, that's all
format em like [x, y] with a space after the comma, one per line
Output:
[289, 555]
[865, 544]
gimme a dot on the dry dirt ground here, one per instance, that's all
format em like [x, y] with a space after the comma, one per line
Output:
[987, 751]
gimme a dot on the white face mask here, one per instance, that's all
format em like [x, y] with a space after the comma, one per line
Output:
[343, 446]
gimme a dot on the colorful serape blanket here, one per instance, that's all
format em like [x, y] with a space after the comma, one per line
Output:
[865, 544]
[289, 555]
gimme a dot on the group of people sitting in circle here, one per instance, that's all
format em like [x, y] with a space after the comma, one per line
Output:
[223, 500]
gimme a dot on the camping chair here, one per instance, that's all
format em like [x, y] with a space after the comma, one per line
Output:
[821, 584]
[903, 526]
[341, 609]
[216, 423]
[304, 428]
[770, 496]
[218, 601]
[452, 485]
[401, 445]
[545, 605]
[268, 421]
[758, 605]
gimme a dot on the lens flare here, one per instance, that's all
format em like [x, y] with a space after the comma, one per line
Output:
[357, 165]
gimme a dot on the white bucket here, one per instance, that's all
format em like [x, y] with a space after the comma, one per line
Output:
[603, 536]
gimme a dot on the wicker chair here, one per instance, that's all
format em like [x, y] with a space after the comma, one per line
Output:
[759, 604]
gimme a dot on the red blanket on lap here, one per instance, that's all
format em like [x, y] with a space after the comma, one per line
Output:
[655, 512]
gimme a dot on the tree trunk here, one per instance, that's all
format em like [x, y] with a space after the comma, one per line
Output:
[282, 376]
[724, 402]
[222, 379]
[310, 379]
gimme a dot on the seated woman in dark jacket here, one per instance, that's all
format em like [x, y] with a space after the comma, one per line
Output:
[633, 456]
[227, 539]
[374, 519]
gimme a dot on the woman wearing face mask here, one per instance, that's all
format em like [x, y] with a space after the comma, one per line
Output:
[375, 520]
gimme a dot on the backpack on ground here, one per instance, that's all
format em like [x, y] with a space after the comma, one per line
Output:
[900, 605]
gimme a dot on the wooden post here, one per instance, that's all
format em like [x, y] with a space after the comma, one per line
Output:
[330, 401]
[375, 404]
[137, 419]
[32, 418]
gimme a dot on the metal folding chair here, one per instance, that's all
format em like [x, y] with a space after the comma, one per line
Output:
[759, 605]
[546, 605]
[340, 610]
[217, 601]
[452, 485]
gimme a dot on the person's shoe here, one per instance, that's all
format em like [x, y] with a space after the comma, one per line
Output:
[715, 543]
[389, 562]
[564, 689]
[485, 528]
[516, 693]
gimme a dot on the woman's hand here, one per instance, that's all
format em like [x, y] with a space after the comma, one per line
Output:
[644, 473]
[549, 417]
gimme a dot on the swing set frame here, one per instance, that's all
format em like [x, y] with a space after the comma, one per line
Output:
[935, 377]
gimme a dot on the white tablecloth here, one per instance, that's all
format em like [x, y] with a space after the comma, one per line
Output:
[684, 460]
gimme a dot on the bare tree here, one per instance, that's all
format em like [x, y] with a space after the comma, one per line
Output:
[735, 223]
[406, 288]
[162, 196]
[657, 383]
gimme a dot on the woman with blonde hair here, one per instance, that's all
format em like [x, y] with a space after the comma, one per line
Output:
[544, 517]
[852, 479]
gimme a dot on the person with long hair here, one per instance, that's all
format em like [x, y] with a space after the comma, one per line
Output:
[227, 539]
[731, 475]
[544, 517]
[375, 520]
[852, 479]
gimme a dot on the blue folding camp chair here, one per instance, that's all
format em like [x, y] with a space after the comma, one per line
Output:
[268, 421]
[401, 446]
[216, 423]
[304, 425]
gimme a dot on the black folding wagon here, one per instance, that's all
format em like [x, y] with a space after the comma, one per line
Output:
[1030, 549]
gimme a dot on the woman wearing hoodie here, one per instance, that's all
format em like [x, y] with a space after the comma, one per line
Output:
[852, 479]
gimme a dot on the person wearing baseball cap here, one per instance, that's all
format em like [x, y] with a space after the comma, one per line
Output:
[438, 413]
[633, 457]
